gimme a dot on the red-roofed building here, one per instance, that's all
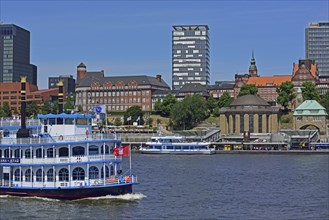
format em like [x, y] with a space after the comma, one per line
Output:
[304, 71]
[267, 86]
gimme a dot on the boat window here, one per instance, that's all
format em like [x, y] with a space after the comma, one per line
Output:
[18, 175]
[69, 121]
[93, 172]
[93, 150]
[78, 174]
[40, 176]
[50, 175]
[18, 153]
[7, 153]
[63, 174]
[157, 147]
[38, 153]
[111, 170]
[63, 152]
[28, 153]
[107, 173]
[50, 152]
[52, 121]
[170, 147]
[107, 149]
[185, 147]
[28, 175]
[77, 151]
[0, 153]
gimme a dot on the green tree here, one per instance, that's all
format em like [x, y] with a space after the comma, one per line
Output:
[309, 91]
[32, 109]
[225, 100]
[325, 101]
[69, 104]
[54, 107]
[5, 110]
[285, 94]
[80, 109]
[164, 108]
[46, 108]
[189, 112]
[248, 89]
[133, 113]
[211, 104]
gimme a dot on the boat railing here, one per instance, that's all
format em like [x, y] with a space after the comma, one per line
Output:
[111, 180]
[72, 159]
[17, 122]
[60, 138]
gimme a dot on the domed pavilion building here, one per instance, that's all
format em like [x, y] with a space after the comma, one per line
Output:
[249, 113]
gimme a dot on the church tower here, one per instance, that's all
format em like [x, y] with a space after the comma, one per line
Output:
[253, 67]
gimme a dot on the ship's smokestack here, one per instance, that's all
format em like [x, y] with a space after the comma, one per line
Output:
[23, 132]
[60, 97]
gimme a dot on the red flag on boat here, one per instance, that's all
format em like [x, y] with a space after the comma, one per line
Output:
[121, 151]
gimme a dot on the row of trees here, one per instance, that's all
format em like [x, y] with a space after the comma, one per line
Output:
[32, 109]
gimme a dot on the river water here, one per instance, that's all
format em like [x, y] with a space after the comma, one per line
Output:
[222, 186]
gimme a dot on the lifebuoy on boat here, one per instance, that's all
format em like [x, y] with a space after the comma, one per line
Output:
[61, 137]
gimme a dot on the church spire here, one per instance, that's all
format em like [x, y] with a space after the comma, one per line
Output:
[253, 67]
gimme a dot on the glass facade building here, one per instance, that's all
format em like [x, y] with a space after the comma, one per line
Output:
[15, 55]
[190, 55]
[317, 45]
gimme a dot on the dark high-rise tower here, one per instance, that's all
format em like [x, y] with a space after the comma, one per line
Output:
[15, 55]
[190, 55]
[317, 46]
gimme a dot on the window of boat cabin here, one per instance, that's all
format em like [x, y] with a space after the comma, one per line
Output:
[63, 152]
[63, 174]
[7, 153]
[28, 153]
[93, 172]
[77, 151]
[0, 153]
[186, 147]
[69, 121]
[39, 153]
[107, 172]
[17, 153]
[78, 173]
[50, 175]
[28, 175]
[170, 147]
[93, 150]
[40, 176]
[50, 152]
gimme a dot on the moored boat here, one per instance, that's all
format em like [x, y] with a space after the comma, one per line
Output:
[175, 145]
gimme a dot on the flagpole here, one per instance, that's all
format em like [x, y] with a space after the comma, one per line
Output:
[129, 159]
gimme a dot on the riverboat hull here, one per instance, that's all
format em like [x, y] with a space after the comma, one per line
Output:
[68, 193]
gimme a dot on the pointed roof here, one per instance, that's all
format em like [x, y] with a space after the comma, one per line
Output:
[310, 107]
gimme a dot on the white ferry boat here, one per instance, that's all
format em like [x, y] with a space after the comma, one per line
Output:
[65, 161]
[175, 145]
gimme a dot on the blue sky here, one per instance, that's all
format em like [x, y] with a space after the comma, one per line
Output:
[134, 37]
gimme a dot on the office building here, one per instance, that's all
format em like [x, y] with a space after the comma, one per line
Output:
[190, 55]
[317, 45]
[15, 55]
[68, 81]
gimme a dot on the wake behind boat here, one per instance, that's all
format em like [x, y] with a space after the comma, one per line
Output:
[175, 145]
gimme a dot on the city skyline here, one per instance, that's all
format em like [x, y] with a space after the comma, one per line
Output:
[134, 38]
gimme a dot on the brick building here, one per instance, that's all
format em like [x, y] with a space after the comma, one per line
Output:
[117, 93]
[304, 71]
[10, 92]
[267, 86]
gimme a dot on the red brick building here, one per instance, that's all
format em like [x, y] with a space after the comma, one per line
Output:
[10, 92]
